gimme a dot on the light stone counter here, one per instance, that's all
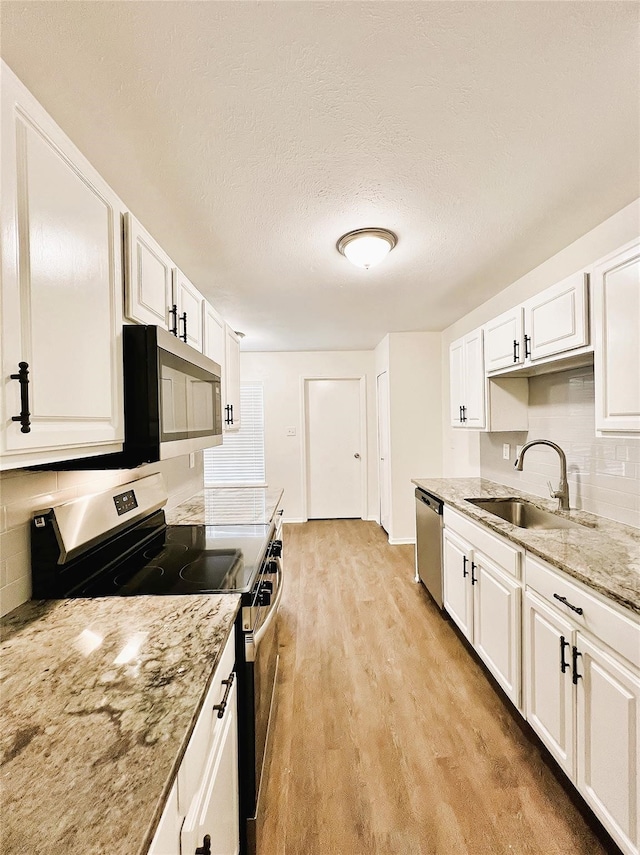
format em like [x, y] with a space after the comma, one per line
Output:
[99, 698]
[601, 553]
[220, 505]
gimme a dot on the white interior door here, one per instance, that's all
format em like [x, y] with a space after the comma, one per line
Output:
[334, 452]
[384, 468]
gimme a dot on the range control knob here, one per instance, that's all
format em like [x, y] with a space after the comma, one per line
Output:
[276, 548]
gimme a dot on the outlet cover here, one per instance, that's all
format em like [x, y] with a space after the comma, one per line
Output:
[192, 460]
[506, 451]
[291, 431]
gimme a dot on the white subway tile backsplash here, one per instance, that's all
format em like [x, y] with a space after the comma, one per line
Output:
[604, 473]
[14, 594]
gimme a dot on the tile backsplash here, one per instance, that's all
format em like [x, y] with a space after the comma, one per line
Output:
[604, 474]
[23, 492]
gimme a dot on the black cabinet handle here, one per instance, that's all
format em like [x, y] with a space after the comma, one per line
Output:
[23, 378]
[173, 312]
[473, 570]
[183, 318]
[230, 414]
[460, 413]
[465, 572]
[574, 657]
[221, 707]
[516, 350]
[464, 413]
[563, 643]
[205, 849]
[577, 609]
[527, 349]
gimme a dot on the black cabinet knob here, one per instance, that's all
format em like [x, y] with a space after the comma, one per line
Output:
[205, 849]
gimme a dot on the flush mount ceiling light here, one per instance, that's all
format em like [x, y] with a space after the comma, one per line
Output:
[366, 247]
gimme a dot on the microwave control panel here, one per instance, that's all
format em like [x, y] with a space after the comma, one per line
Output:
[125, 502]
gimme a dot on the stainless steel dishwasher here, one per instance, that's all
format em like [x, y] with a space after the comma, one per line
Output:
[429, 543]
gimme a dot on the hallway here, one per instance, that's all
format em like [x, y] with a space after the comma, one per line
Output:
[388, 739]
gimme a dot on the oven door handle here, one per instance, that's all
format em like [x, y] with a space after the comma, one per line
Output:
[273, 611]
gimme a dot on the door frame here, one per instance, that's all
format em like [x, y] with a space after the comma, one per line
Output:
[364, 457]
[386, 464]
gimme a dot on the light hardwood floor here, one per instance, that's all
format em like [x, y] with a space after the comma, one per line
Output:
[387, 737]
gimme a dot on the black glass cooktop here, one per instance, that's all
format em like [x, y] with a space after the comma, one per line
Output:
[187, 560]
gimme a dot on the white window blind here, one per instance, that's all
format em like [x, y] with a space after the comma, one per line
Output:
[240, 459]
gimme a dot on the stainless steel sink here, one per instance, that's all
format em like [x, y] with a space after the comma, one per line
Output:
[524, 515]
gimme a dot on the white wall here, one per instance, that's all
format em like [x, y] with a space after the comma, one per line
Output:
[23, 492]
[415, 395]
[282, 373]
[461, 447]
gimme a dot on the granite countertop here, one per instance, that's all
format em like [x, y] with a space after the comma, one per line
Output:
[99, 698]
[601, 553]
[220, 505]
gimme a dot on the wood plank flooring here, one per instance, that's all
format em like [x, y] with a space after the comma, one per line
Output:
[387, 737]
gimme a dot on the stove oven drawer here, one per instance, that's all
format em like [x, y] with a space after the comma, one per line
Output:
[207, 727]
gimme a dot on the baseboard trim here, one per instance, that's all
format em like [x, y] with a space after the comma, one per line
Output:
[295, 520]
[401, 541]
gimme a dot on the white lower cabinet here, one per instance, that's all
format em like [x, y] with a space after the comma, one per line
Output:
[582, 678]
[483, 597]
[202, 811]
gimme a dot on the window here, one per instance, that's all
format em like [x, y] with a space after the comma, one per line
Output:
[239, 461]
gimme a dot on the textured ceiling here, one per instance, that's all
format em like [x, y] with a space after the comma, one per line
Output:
[247, 137]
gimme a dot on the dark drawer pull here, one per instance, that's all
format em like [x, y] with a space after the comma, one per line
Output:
[23, 377]
[173, 311]
[575, 676]
[563, 643]
[205, 849]
[527, 348]
[565, 601]
[465, 572]
[474, 578]
[221, 707]
[183, 318]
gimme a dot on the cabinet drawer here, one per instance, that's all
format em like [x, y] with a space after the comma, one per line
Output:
[500, 551]
[204, 733]
[619, 632]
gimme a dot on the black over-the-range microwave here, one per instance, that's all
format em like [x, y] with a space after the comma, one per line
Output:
[172, 401]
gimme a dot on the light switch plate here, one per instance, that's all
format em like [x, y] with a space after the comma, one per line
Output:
[506, 451]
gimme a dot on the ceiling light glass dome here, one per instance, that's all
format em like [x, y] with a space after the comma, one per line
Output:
[367, 247]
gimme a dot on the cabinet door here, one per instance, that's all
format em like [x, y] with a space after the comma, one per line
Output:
[474, 381]
[231, 393]
[496, 623]
[166, 840]
[608, 703]
[148, 278]
[213, 335]
[456, 381]
[189, 302]
[547, 677]
[616, 323]
[61, 291]
[215, 809]
[556, 320]
[503, 341]
[458, 595]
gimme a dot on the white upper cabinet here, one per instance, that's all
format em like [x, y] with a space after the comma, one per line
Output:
[467, 379]
[556, 320]
[61, 293]
[503, 341]
[148, 279]
[189, 304]
[616, 323]
[213, 335]
[550, 325]
[231, 385]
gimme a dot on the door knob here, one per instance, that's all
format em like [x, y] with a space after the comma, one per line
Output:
[357, 456]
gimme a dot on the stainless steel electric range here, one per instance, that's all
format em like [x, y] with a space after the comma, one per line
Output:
[117, 543]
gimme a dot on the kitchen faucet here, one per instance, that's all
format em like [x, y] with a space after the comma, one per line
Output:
[562, 493]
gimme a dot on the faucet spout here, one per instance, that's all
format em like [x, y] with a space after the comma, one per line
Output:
[562, 493]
